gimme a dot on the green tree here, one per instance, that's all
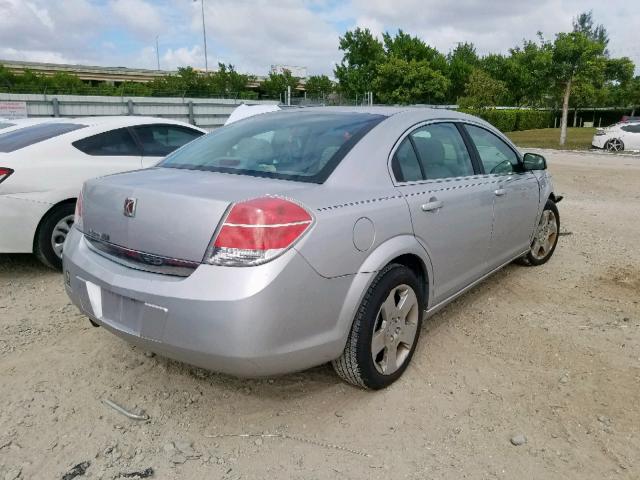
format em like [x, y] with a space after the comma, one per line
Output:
[318, 86]
[482, 90]
[276, 84]
[226, 81]
[363, 53]
[400, 81]
[407, 47]
[578, 56]
[462, 62]
[527, 73]
[584, 23]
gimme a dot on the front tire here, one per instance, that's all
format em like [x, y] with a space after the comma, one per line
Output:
[385, 331]
[614, 145]
[52, 233]
[546, 236]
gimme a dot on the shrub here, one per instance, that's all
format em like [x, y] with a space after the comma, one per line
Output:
[511, 120]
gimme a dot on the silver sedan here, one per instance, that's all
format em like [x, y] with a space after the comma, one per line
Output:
[296, 238]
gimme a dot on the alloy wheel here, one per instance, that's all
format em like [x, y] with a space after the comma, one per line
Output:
[395, 329]
[59, 234]
[546, 235]
[615, 145]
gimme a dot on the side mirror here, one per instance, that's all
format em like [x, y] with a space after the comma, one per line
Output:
[533, 161]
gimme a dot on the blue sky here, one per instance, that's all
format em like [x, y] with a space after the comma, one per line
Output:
[254, 34]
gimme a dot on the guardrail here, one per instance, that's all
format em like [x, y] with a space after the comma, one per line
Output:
[208, 113]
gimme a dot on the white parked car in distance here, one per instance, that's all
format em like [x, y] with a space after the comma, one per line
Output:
[618, 137]
[43, 166]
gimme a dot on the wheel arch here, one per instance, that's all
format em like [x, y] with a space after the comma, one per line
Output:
[403, 249]
[36, 232]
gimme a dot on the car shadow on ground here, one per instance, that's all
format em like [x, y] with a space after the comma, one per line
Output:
[308, 382]
[13, 265]
[299, 384]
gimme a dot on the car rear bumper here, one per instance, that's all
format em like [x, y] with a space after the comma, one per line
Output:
[19, 219]
[254, 321]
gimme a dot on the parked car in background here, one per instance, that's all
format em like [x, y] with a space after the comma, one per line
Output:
[618, 137]
[295, 238]
[7, 125]
[43, 166]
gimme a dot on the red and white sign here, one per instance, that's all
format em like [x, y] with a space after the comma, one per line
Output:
[11, 109]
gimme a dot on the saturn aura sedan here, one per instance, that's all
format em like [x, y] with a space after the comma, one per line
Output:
[295, 238]
[43, 164]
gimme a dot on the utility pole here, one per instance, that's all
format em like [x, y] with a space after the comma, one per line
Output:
[157, 53]
[204, 38]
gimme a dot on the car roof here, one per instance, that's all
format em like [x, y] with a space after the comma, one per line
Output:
[426, 113]
[125, 120]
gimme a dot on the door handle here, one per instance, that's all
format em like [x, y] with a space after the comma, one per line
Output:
[500, 192]
[432, 205]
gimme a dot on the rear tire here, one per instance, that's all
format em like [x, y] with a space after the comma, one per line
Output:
[385, 331]
[545, 238]
[52, 232]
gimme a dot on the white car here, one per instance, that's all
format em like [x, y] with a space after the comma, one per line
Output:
[618, 137]
[43, 166]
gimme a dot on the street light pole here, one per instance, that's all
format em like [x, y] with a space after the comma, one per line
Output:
[157, 53]
[204, 37]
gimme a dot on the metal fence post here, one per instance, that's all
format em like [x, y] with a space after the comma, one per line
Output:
[56, 106]
[192, 119]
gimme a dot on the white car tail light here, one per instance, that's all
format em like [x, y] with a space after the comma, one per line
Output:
[257, 231]
[4, 173]
[77, 218]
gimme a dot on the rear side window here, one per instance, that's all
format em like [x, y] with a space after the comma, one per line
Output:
[161, 140]
[442, 151]
[406, 167]
[302, 145]
[496, 156]
[5, 125]
[24, 137]
[632, 128]
[114, 143]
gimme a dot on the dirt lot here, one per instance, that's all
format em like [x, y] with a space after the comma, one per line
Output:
[550, 353]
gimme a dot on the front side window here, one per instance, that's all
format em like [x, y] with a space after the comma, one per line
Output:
[442, 151]
[24, 137]
[114, 143]
[496, 156]
[161, 140]
[302, 145]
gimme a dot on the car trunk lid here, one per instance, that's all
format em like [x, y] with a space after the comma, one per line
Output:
[167, 212]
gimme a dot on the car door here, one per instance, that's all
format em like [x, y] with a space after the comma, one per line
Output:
[631, 136]
[113, 151]
[516, 195]
[450, 209]
[159, 140]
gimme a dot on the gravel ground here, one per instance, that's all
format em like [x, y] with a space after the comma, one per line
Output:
[533, 374]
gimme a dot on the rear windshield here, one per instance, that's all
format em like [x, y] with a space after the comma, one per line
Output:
[23, 137]
[301, 146]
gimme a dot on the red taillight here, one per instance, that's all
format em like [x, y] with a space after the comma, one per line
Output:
[257, 231]
[4, 173]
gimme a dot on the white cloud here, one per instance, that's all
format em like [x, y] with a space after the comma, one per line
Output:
[254, 34]
[182, 57]
[141, 17]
